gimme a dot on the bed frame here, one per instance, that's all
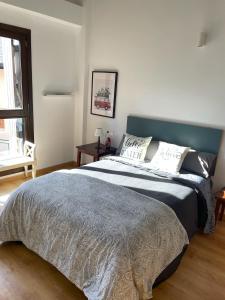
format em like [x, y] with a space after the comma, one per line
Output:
[203, 139]
[199, 138]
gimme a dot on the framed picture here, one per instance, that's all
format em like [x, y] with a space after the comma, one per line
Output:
[103, 93]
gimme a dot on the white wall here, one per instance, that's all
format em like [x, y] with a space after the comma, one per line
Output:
[54, 55]
[152, 44]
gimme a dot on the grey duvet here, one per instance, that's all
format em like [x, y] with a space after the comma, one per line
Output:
[111, 242]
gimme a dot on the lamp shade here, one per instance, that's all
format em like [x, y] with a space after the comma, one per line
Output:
[98, 132]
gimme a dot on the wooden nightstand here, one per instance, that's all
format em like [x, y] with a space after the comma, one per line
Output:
[91, 149]
[220, 205]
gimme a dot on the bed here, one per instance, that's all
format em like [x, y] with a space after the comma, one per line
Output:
[115, 229]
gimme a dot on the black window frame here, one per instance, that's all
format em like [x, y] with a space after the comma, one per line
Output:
[24, 36]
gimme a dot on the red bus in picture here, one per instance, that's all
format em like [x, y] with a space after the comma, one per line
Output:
[102, 102]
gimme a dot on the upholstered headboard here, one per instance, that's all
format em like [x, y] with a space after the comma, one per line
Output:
[199, 138]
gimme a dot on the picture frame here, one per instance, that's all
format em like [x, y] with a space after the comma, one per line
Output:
[103, 93]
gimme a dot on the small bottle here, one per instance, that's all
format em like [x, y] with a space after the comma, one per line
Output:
[108, 141]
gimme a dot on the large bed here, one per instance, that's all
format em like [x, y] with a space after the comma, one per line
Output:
[116, 229]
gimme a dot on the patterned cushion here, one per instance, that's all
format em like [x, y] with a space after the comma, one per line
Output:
[168, 158]
[135, 147]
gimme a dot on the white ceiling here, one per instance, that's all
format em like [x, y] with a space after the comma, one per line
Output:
[78, 2]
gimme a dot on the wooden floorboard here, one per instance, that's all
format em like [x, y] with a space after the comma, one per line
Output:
[25, 276]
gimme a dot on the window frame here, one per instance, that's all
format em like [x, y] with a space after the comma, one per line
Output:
[24, 36]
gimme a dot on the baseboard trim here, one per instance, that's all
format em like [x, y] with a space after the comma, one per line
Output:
[40, 172]
[68, 165]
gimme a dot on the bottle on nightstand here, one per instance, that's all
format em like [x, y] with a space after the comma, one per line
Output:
[108, 141]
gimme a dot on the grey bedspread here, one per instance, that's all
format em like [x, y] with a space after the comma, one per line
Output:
[110, 241]
[189, 181]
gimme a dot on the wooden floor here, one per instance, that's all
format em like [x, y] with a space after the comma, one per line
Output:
[25, 276]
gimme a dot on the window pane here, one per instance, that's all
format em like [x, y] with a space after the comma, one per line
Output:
[11, 96]
[11, 138]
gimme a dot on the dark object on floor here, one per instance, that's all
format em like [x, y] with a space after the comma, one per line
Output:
[220, 205]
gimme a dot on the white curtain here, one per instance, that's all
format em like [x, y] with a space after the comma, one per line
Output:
[9, 96]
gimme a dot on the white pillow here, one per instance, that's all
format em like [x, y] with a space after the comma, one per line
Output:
[168, 158]
[135, 147]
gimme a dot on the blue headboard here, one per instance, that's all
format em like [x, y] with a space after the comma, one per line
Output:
[199, 138]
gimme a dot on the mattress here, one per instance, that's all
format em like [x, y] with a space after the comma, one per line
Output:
[186, 201]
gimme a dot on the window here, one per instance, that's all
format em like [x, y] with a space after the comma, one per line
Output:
[16, 105]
